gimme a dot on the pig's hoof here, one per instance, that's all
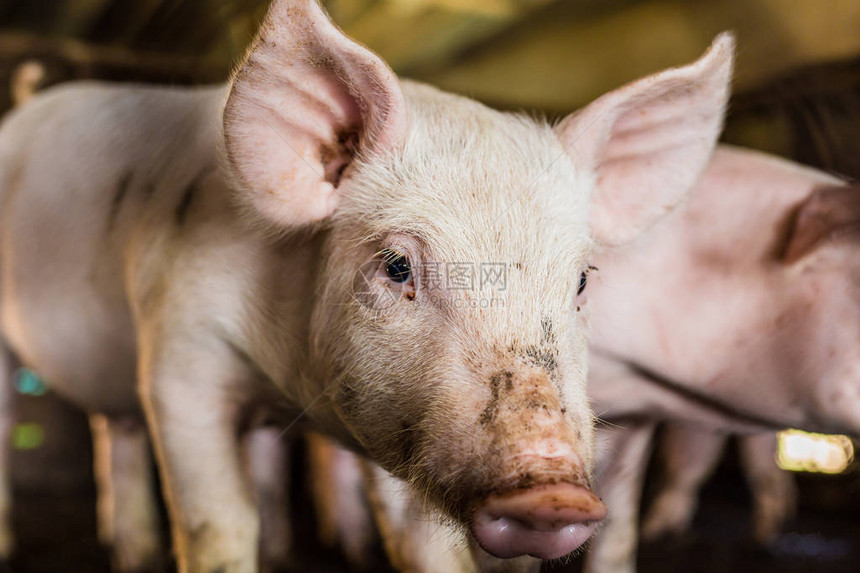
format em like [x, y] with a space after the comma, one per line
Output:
[547, 522]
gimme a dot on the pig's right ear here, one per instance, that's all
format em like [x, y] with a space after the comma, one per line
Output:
[306, 100]
[828, 214]
[648, 142]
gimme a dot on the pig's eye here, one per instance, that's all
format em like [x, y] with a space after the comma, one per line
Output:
[397, 268]
[583, 281]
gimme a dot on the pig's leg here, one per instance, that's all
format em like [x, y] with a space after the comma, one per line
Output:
[688, 456]
[127, 505]
[622, 460]
[414, 541]
[268, 454]
[340, 499]
[194, 394]
[774, 491]
[7, 419]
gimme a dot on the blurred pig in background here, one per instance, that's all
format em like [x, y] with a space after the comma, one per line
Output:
[688, 457]
[732, 315]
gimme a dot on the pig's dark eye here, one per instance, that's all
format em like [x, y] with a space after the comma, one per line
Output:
[397, 268]
[583, 281]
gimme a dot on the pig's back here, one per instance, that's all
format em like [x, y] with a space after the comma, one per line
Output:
[80, 167]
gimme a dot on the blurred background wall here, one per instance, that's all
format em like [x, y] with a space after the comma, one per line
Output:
[547, 55]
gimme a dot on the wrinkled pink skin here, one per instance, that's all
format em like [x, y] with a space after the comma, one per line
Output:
[688, 456]
[733, 314]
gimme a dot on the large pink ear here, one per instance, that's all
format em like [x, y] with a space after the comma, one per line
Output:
[306, 100]
[648, 142]
[828, 214]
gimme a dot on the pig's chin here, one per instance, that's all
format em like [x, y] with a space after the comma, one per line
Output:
[506, 538]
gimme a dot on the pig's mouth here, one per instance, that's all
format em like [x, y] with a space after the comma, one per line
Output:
[547, 522]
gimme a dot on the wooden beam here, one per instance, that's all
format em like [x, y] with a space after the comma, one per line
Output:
[90, 61]
[414, 34]
[562, 60]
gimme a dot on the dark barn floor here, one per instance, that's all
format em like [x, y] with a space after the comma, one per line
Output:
[54, 517]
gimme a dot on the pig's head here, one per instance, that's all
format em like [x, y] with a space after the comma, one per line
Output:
[816, 340]
[449, 324]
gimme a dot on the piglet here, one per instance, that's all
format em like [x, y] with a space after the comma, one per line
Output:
[414, 542]
[395, 267]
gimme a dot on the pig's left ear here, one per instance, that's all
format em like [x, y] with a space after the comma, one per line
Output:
[648, 142]
[828, 214]
[306, 100]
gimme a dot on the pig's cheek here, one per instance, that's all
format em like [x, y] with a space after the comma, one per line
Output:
[347, 407]
[359, 414]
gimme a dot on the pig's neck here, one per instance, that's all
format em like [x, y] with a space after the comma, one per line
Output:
[696, 300]
[279, 330]
[252, 286]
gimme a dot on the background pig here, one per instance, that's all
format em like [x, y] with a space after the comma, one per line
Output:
[292, 277]
[342, 510]
[335, 480]
[735, 313]
[688, 456]
[268, 456]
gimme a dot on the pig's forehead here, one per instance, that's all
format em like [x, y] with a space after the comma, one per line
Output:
[468, 219]
[471, 180]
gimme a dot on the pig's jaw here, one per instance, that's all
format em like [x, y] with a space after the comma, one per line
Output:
[547, 522]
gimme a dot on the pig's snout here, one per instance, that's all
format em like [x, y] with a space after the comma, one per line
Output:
[546, 521]
[540, 505]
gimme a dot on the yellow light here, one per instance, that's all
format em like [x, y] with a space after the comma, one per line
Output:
[799, 451]
[27, 436]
